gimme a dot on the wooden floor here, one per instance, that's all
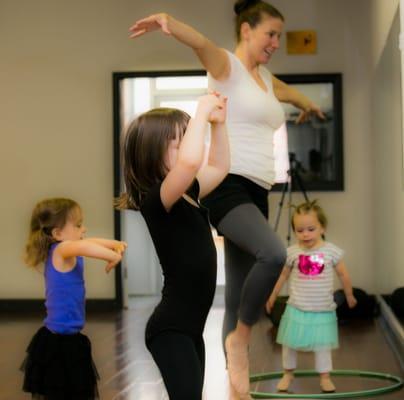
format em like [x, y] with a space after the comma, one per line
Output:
[128, 373]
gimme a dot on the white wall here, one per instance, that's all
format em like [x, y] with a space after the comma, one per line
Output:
[57, 59]
[388, 189]
[382, 14]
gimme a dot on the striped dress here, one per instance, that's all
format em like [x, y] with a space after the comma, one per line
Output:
[309, 322]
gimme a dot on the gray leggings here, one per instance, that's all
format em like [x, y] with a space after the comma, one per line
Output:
[254, 257]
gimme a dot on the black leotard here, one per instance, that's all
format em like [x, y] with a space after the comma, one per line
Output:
[187, 254]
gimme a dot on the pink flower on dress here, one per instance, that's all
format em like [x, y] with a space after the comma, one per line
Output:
[311, 264]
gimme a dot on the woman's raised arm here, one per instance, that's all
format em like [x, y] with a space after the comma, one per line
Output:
[212, 57]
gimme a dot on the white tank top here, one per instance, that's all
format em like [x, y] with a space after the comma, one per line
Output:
[253, 115]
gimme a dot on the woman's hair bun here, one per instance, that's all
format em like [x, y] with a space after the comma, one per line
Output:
[242, 5]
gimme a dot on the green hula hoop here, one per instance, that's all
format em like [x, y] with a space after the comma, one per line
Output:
[398, 384]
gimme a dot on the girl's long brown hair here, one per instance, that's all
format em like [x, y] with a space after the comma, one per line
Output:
[143, 152]
[47, 215]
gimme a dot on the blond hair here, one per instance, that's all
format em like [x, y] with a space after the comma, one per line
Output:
[47, 215]
[305, 208]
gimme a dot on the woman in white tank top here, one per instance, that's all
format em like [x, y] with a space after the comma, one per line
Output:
[254, 255]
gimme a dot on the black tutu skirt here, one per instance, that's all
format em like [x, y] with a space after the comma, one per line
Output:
[60, 367]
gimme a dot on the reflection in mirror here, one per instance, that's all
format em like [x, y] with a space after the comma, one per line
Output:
[141, 93]
[315, 146]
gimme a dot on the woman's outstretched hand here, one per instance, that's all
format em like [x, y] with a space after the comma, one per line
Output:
[149, 24]
[310, 111]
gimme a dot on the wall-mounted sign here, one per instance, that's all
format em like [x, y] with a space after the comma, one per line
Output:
[301, 42]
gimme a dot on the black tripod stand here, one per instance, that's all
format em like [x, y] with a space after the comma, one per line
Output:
[293, 176]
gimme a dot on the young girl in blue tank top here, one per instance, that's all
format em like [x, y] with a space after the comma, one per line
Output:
[309, 322]
[59, 364]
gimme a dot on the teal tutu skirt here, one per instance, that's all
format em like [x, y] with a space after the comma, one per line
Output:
[308, 330]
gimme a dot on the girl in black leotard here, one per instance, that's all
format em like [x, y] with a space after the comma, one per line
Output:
[163, 153]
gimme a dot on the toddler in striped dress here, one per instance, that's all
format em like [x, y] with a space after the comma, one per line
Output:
[309, 322]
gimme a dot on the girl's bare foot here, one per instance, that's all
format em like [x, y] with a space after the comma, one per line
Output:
[326, 384]
[284, 383]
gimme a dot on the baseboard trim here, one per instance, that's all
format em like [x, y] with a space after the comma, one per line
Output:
[38, 305]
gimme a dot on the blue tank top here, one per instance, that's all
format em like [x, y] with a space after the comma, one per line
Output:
[65, 297]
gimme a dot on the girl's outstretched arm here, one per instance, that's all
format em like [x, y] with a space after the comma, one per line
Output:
[188, 157]
[66, 252]
[218, 164]
[212, 57]
[283, 277]
[343, 275]
[288, 94]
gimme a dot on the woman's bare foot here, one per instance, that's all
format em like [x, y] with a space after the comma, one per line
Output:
[234, 395]
[237, 365]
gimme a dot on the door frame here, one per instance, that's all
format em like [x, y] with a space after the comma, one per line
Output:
[117, 77]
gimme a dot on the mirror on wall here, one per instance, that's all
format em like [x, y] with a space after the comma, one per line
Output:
[316, 146]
